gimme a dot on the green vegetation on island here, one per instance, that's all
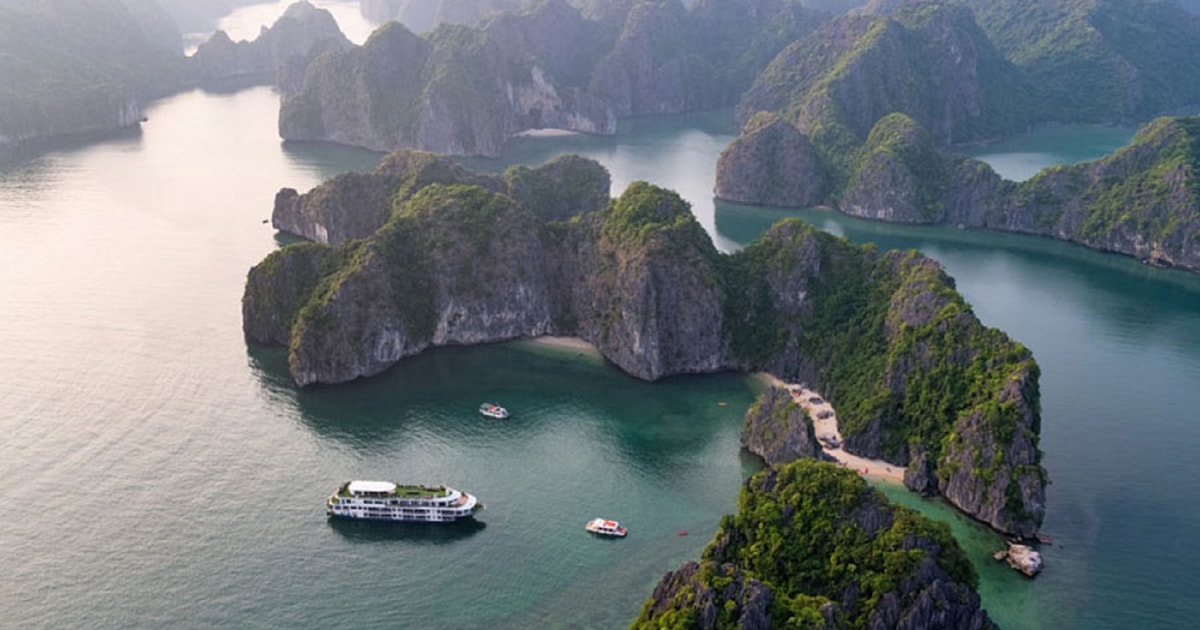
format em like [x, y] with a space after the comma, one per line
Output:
[1098, 60]
[917, 379]
[813, 546]
[879, 99]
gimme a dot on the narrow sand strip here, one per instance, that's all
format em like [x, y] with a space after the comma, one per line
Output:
[570, 343]
[827, 430]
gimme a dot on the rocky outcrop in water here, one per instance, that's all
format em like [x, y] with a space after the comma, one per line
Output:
[778, 430]
[901, 175]
[1021, 558]
[771, 163]
[908, 572]
[462, 258]
[280, 54]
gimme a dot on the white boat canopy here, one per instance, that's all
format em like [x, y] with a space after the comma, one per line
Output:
[383, 487]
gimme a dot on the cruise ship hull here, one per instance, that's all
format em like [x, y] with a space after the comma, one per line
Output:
[384, 501]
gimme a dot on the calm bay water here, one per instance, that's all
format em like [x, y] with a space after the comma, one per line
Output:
[159, 473]
[1021, 157]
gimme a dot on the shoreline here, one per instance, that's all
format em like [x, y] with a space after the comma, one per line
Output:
[827, 428]
[564, 343]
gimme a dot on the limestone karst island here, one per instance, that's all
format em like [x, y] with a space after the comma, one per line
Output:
[600, 313]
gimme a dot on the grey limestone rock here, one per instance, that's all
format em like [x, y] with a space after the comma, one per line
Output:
[280, 53]
[771, 163]
[777, 429]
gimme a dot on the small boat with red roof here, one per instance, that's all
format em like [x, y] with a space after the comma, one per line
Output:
[605, 527]
[492, 410]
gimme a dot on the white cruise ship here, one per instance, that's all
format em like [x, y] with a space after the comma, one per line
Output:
[387, 501]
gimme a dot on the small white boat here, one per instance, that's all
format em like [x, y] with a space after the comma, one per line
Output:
[605, 527]
[492, 410]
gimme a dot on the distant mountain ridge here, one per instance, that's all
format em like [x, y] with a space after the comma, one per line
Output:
[69, 67]
[860, 123]
[465, 90]
[76, 67]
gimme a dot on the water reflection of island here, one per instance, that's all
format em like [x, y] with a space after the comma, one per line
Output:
[555, 398]
[371, 532]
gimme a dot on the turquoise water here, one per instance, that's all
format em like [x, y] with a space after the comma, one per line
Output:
[676, 152]
[160, 474]
[1021, 157]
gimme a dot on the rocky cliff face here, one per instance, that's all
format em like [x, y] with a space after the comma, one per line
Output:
[777, 429]
[639, 281]
[887, 339]
[355, 205]
[1142, 201]
[280, 54]
[390, 293]
[1011, 497]
[648, 70]
[396, 294]
[929, 61]
[884, 336]
[772, 163]
[70, 112]
[463, 91]
[908, 571]
[901, 175]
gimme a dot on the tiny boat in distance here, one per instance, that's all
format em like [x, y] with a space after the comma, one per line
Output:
[493, 411]
[387, 501]
[605, 527]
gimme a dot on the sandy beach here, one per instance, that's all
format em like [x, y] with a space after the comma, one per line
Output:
[569, 343]
[827, 429]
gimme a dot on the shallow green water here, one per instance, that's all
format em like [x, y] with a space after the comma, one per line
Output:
[159, 473]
